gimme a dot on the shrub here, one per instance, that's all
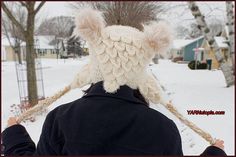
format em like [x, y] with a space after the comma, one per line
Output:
[200, 65]
[176, 59]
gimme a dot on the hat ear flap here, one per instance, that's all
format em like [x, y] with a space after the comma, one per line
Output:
[158, 36]
[82, 78]
[89, 24]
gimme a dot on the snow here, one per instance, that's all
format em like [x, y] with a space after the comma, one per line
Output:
[188, 90]
[180, 43]
[198, 90]
[221, 42]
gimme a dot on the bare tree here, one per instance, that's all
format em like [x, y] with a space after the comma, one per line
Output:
[230, 23]
[200, 19]
[45, 27]
[181, 32]
[216, 26]
[28, 33]
[130, 13]
[11, 31]
[58, 26]
[194, 31]
[16, 44]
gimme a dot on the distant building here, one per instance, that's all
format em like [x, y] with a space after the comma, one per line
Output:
[221, 45]
[7, 51]
[189, 54]
[44, 47]
[185, 48]
[177, 49]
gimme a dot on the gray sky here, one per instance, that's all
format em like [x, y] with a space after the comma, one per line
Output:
[181, 15]
[51, 9]
[178, 15]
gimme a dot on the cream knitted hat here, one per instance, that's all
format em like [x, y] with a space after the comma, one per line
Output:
[119, 55]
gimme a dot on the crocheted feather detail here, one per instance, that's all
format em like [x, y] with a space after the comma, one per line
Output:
[119, 55]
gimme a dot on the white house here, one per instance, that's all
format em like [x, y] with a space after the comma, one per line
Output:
[43, 47]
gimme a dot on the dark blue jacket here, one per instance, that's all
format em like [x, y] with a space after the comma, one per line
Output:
[101, 124]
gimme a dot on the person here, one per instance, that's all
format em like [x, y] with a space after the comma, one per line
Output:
[101, 123]
[113, 117]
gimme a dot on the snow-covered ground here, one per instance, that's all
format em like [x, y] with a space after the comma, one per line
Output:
[188, 90]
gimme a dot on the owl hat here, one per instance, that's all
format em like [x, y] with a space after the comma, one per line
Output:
[120, 55]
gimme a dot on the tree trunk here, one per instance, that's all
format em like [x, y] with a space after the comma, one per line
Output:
[155, 59]
[30, 60]
[200, 19]
[19, 56]
[230, 24]
[29, 38]
[18, 52]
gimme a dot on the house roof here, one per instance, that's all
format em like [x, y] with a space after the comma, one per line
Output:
[42, 42]
[5, 41]
[225, 31]
[220, 42]
[180, 43]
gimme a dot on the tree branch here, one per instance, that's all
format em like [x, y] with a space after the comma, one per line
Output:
[23, 4]
[6, 34]
[39, 7]
[12, 18]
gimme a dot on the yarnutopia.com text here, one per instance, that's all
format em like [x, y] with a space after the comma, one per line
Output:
[204, 112]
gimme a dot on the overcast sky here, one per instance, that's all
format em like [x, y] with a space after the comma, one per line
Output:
[178, 15]
[51, 9]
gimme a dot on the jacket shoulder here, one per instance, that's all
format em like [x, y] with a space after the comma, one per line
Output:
[169, 124]
[171, 135]
[155, 116]
[157, 121]
[61, 110]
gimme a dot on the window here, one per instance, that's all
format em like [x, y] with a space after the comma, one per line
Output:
[202, 55]
[179, 52]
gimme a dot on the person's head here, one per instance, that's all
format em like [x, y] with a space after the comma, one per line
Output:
[120, 55]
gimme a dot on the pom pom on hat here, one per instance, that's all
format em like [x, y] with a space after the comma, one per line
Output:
[158, 36]
[89, 24]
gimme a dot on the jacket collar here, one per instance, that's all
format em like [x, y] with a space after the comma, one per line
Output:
[125, 93]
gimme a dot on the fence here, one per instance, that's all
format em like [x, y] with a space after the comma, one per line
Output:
[21, 73]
